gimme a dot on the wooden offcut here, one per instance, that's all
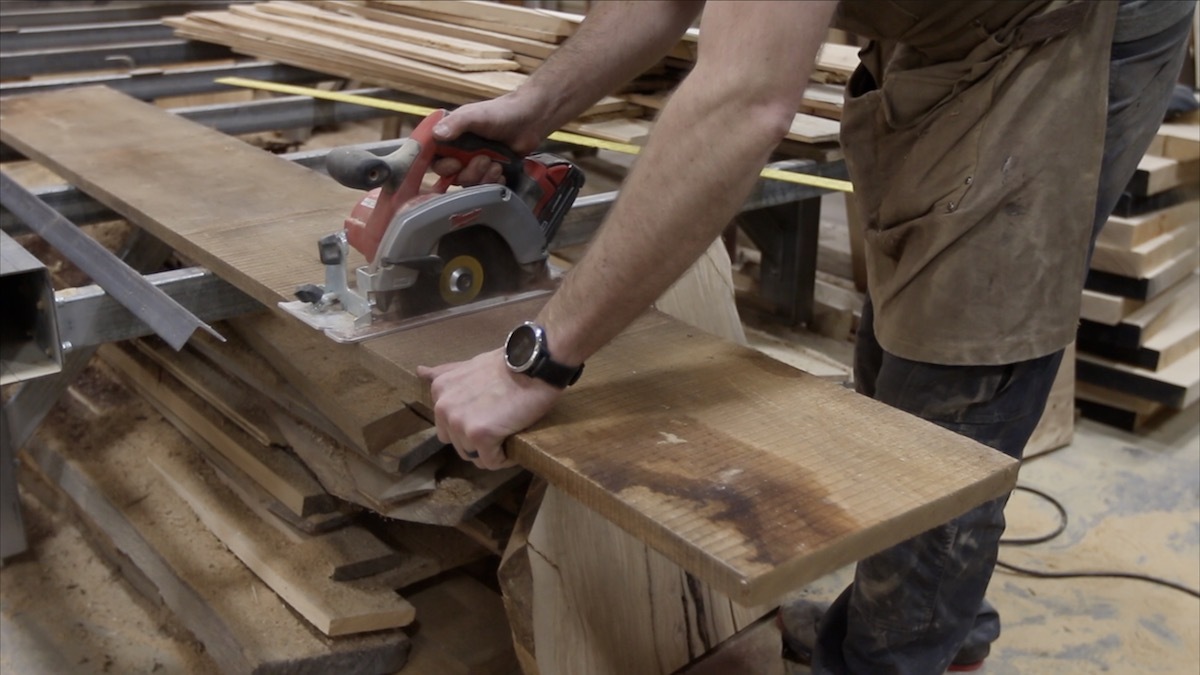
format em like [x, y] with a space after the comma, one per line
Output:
[750, 475]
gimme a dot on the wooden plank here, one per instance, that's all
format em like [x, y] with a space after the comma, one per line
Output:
[1132, 231]
[333, 607]
[812, 129]
[281, 475]
[365, 407]
[177, 562]
[1159, 174]
[1172, 333]
[650, 477]
[1143, 258]
[341, 35]
[1116, 408]
[232, 401]
[518, 45]
[418, 37]
[1179, 141]
[840, 60]
[1145, 322]
[754, 649]
[1057, 426]
[753, 500]
[1177, 386]
[1150, 285]
[498, 18]
[1106, 309]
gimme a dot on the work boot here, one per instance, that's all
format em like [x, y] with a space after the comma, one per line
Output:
[799, 621]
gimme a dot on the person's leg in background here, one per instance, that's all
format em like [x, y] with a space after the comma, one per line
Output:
[913, 607]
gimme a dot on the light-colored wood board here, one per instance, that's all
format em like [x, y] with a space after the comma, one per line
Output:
[1106, 309]
[418, 37]
[337, 34]
[359, 64]
[1057, 426]
[1177, 385]
[757, 435]
[228, 29]
[1176, 141]
[231, 400]
[1153, 316]
[244, 626]
[1179, 332]
[1117, 408]
[350, 477]
[518, 45]
[1127, 233]
[495, 17]
[333, 607]
[365, 407]
[1141, 259]
[1159, 174]
[837, 59]
[280, 474]
[812, 129]
[603, 602]
[463, 630]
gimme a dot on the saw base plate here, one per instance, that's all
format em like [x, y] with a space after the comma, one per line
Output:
[340, 325]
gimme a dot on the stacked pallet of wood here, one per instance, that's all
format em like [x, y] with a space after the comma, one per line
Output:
[1139, 337]
[256, 519]
[458, 52]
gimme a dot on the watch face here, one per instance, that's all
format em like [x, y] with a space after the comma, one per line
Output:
[521, 348]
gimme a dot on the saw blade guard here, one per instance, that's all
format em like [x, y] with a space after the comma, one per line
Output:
[395, 180]
[415, 233]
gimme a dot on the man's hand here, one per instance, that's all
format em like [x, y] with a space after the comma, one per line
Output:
[509, 120]
[479, 403]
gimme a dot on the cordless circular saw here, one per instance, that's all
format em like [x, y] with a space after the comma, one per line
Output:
[436, 253]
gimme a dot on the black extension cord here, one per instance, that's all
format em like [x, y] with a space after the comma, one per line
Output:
[1062, 526]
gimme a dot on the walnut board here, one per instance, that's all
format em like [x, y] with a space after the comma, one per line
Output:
[755, 477]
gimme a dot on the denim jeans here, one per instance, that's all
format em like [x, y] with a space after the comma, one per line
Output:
[913, 607]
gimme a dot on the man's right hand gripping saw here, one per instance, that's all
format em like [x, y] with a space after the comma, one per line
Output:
[700, 163]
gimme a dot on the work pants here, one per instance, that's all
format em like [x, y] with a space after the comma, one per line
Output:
[913, 607]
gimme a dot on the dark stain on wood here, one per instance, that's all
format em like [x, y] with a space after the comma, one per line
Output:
[778, 507]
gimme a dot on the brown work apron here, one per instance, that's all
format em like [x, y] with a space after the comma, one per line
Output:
[975, 164]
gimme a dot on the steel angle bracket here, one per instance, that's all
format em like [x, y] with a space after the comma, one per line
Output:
[166, 317]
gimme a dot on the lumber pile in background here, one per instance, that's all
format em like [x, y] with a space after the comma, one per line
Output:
[1139, 334]
[459, 52]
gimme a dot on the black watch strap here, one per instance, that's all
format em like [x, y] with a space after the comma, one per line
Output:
[557, 374]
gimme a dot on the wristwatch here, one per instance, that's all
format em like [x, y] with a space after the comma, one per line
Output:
[525, 352]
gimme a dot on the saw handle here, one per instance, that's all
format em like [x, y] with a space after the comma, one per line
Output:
[469, 145]
[357, 168]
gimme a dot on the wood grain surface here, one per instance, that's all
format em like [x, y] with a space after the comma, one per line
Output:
[753, 476]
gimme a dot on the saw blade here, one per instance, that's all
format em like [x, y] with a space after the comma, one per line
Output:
[478, 265]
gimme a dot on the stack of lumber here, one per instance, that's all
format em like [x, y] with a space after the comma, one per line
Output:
[1139, 337]
[459, 52]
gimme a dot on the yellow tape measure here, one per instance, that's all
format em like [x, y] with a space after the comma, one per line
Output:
[560, 136]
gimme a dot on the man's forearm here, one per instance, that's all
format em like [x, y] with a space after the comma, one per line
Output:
[617, 41]
[702, 160]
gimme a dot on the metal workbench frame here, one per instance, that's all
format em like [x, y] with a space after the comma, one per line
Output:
[781, 218]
